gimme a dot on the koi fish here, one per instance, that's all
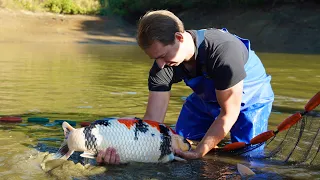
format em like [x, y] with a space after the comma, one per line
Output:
[135, 140]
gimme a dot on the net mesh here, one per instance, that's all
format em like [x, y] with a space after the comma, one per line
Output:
[300, 144]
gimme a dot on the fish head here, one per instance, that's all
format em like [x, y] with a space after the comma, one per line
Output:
[179, 142]
[74, 141]
[74, 137]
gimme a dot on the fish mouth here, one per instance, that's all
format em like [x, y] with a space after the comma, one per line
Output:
[188, 143]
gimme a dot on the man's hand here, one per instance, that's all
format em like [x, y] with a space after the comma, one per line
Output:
[108, 156]
[188, 154]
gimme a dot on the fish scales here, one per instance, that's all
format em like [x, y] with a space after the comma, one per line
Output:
[134, 139]
[143, 147]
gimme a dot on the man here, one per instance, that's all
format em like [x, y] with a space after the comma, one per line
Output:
[232, 92]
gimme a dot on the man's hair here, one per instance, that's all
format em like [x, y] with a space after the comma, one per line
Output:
[160, 25]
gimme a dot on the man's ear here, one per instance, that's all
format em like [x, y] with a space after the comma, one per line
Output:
[179, 36]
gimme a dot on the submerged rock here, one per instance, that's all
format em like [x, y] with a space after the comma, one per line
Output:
[66, 169]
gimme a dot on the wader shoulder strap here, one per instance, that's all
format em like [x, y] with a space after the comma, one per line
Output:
[201, 54]
[200, 37]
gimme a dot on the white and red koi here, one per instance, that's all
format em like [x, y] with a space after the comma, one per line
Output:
[134, 139]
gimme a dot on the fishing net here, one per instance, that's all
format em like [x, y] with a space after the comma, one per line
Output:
[296, 140]
[299, 145]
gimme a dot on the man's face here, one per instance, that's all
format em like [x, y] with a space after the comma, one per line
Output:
[171, 55]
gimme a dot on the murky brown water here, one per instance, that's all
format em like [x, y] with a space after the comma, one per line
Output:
[84, 82]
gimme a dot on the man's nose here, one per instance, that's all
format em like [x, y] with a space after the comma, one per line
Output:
[161, 63]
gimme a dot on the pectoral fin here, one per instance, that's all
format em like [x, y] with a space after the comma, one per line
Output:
[179, 159]
[244, 170]
[69, 153]
[87, 155]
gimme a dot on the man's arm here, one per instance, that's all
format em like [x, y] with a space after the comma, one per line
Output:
[230, 102]
[157, 106]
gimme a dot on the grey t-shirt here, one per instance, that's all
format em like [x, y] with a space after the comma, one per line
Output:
[224, 57]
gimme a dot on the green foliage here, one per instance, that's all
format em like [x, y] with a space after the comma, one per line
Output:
[63, 6]
[56, 6]
[30, 5]
[27, 4]
[133, 8]
[72, 6]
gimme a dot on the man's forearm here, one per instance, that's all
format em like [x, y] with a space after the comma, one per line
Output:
[157, 106]
[151, 116]
[217, 131]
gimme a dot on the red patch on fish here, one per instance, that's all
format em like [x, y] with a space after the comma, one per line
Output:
[173, 131]
[154, 124]
[128, 122]
[131, 122]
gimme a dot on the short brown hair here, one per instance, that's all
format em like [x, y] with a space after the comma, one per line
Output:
[158, 25]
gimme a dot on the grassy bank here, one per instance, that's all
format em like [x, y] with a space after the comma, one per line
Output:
[56, 6]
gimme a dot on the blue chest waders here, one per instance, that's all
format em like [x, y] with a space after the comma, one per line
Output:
[201, 107]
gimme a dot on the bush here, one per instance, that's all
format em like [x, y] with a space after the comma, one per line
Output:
[31, 5]
[134, 8]
[61, 6]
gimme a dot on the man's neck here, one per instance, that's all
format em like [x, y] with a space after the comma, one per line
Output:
[190, 58]
[190, 46]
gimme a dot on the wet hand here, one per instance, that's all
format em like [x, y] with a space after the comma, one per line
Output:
[108, 156]
[188, 154]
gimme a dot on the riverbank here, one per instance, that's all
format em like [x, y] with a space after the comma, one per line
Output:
[282, 29]
[290, 28]
[18, 26]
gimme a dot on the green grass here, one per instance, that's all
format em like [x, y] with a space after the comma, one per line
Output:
[55, 6]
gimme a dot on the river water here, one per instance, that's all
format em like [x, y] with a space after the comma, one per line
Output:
[85, 82]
